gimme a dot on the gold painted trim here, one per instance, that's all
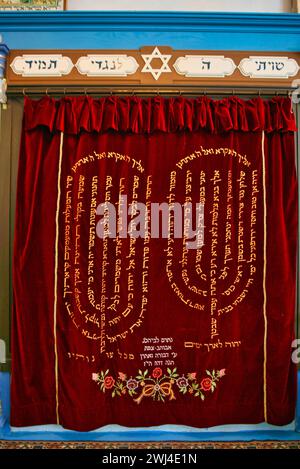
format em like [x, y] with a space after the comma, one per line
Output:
[55, 275]
[264, 275]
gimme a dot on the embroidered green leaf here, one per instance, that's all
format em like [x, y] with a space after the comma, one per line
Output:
[193, 387]
[172, 374]
[142, 375]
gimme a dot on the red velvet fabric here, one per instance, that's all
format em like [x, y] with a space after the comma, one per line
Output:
[212, 326]
[138, 115]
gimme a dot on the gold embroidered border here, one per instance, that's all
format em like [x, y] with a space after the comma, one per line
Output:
[264, 275]
[55, 274]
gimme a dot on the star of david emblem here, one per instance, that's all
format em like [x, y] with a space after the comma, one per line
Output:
[156, 72]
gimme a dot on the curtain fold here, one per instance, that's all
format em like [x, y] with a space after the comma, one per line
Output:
[137, 330]
[72, 115]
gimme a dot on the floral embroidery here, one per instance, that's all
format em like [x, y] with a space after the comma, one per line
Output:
[157, 384]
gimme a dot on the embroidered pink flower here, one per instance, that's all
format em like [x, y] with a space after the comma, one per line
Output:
[158, 385]
[157, 373]
[182, 382]
[192, 375]
[132, 384]
[109, 382]
[206, 384]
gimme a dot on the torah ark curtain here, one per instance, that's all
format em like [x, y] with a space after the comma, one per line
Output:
[144, 330]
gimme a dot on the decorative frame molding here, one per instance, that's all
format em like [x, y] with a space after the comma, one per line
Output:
[18, 5]
[296, 6]
[152, 66]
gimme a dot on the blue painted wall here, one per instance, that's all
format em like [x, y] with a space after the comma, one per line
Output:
[131, 30]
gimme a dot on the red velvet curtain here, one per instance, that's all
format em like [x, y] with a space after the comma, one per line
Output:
[143, 331]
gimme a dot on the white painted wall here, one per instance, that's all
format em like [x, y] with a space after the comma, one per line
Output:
[275, 6]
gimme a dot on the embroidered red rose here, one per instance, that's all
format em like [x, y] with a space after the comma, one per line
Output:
[162, 384]
[157, 373]
[206, 384]
[109, 382]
